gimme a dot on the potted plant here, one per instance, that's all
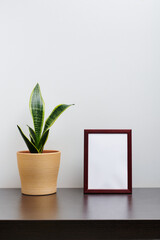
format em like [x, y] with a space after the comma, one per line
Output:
[38, 168]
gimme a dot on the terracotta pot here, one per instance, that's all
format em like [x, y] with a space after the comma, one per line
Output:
[38, 172]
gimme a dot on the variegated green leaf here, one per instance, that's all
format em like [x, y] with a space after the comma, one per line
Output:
[43, 141]
[32, 135]
[57, 111]
[31, 139]
[37, 108]
[29, 144]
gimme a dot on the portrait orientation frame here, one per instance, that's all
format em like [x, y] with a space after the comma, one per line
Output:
[107, 161]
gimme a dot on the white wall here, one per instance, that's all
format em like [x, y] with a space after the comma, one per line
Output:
[102, 55]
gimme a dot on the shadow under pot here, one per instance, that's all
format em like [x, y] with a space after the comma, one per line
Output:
[38, 171]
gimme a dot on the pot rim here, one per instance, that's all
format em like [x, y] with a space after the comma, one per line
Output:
[45, 152]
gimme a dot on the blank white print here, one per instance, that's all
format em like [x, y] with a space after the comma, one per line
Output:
[107, 161]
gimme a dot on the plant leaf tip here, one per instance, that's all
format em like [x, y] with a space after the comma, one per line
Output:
[37, 85]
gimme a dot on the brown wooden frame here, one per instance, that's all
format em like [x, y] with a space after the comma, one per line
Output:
[105, 131]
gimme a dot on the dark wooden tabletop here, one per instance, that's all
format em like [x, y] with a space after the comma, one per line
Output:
[71, 215]
[72, 204]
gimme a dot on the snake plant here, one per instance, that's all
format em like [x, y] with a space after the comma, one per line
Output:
[39, 135]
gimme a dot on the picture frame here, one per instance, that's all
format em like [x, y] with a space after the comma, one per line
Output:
[107, 161]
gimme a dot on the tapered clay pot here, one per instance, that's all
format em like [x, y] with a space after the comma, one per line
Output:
[38, 172]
